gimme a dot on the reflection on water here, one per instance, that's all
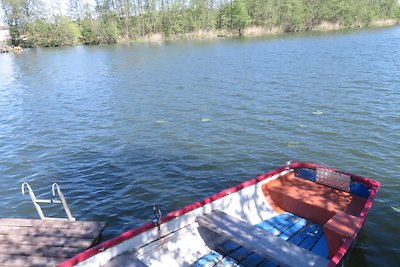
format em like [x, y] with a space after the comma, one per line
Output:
[122, 128]
[7, 72]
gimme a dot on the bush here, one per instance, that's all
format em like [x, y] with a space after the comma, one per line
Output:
[99, 31]
[63, 32]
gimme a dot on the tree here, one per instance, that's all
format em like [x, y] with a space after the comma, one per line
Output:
[103, 30]
[19, 16]
[15, 18]
[73, 9]
[109, 21]
[234, 16]
[62, 32]
[240, 17]
[124, 11]
[199, 17]
[291, 15]
[65, 32]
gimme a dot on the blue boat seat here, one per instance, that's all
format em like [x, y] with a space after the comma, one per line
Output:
[286, 226]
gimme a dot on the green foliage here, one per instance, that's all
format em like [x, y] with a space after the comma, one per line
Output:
[63, 32]
[100, 31]
[114, 20]
[296, 15]
[240, 17]
[234, 16]
[200, 16]
[173, 20]
[292, 15]
[17, 17]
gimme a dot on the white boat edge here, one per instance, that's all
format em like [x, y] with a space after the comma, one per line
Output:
[182, 225]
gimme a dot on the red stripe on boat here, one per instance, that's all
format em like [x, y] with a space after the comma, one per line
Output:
[136, 231]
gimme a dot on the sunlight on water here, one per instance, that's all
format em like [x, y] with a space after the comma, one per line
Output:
[122, 128]
[7, 72]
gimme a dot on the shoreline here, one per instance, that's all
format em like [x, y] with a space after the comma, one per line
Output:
[257, 31]
[249, 32]
[8, 49]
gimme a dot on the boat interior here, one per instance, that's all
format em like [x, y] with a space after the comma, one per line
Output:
[302, 215]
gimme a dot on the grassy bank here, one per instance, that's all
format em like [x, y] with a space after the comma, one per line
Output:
[256, 31]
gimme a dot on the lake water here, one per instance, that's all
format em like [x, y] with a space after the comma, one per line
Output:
[122, 128]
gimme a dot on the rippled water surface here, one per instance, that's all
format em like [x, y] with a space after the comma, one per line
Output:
[123, 128]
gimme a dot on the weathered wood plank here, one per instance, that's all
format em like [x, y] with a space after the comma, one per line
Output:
[47, 231]
[44, 242]
[33, 261]
[43, 251]
[251, 237]
[51, 223]
[76, 242]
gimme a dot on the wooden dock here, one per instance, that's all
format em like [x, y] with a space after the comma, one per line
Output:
[27, 242]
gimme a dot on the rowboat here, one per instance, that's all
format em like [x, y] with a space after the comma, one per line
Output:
[301, 214]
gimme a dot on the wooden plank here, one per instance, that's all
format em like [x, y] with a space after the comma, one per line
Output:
[298, 223]
[286, 230]
[292, 230]
[282, 227]
[303, 233]
[208, 260]
[285, 226]
[213, 259]
[299, 230]
[279, 251]
[33, 261]
[76, 242]
[312, 238]
[51, 223]
[233, 250]
[226, 247]
[227, 262]
[306, 237]
[252, 260]
[321, 247]
[240, 254]
[44, 242]
[267, 263]
[274, 221]
[56, 232]
[43, 251]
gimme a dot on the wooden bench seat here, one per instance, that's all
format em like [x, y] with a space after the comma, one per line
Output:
[338, 228]
[311, 200]
[253, 238]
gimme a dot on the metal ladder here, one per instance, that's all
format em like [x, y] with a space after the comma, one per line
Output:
[61, 200]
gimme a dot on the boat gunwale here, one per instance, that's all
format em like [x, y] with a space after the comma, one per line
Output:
[374, 185]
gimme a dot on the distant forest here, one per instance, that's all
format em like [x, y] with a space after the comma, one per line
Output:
[111, 21]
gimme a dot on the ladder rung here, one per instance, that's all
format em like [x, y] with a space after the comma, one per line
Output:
[36, 201]
[51, 201]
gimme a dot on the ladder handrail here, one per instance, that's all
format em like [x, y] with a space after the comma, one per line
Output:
[36, 201]
[63, 201]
